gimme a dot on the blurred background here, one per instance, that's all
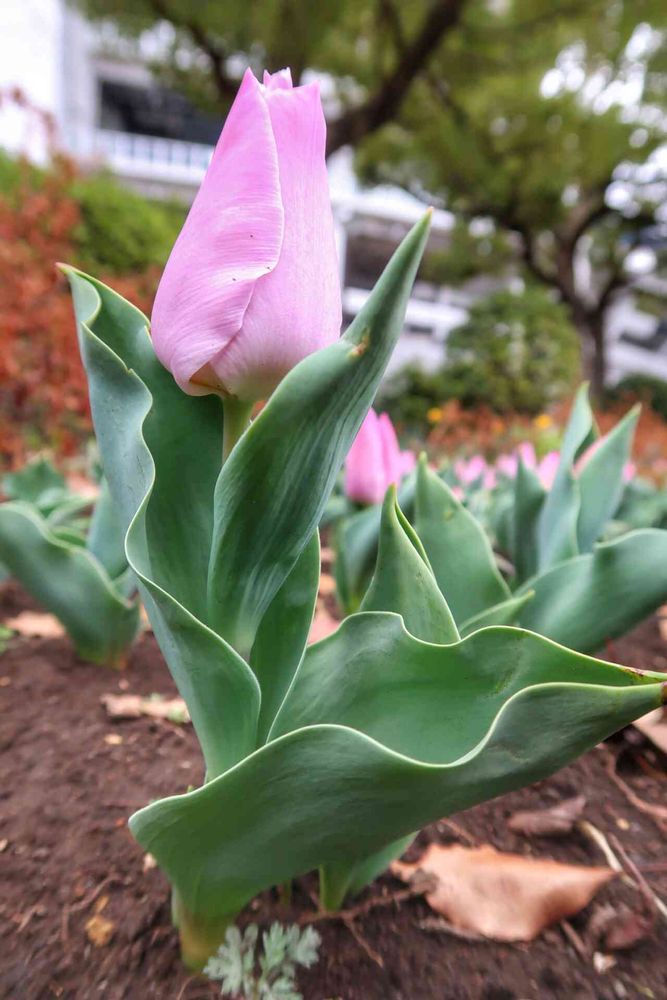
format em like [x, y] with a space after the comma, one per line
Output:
[537, 128]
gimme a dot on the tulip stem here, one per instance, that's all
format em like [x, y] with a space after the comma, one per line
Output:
[237, 417]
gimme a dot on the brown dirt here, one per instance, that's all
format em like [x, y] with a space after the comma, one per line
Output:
[65, 850]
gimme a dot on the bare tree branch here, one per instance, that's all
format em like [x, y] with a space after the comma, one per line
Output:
[225, 85]
[380, 108]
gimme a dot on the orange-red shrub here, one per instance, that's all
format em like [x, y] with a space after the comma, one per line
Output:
[43, 393]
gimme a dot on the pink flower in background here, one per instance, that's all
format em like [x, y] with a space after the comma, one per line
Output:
[507, 465]
[546, 469]
[252, 283]
[526, 452]
[375, 460]
[469, 470]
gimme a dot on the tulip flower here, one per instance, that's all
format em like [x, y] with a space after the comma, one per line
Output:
[375, 460]
[252, 284]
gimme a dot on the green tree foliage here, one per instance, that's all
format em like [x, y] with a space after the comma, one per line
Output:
[515, 352]
[529, 113]
[555, 152]
[119, 231]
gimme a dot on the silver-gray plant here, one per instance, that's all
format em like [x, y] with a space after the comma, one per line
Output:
[269, 975]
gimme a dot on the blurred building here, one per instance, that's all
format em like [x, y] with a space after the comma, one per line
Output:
[109, 111]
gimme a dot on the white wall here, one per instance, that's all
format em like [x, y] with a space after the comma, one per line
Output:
[30, 53]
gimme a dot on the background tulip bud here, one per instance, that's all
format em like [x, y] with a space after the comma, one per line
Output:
[375, 460]
[252, 284]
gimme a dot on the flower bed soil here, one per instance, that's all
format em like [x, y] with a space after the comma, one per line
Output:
[71, 778]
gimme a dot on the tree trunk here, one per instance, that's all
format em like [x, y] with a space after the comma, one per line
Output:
[594, 351]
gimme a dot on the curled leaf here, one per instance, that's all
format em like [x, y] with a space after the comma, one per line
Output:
[506, 897]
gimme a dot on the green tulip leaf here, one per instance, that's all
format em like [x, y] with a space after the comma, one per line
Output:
[529, 495]
[294, 449]
[436, 730]
[37, 483]
[506, 613]
[106, 538]
[162, 452]
[601, 483]
[600, 595]
[68, 581]
[283, 632]
[457, 548]
[557, 523]
[403, 581]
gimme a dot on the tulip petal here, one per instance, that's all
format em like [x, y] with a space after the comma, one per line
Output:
[391, 453]
[278, 81]
[233, 235]
[295, 309]
[365, 479]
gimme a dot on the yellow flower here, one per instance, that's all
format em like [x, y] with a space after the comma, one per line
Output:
[434, 415]
[543, 422]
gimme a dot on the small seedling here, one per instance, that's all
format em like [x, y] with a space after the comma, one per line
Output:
[247, 975]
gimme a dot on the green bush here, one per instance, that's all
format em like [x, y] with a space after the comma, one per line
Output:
[410, 394]
[648, 388]
[515, 353]
[121, 231]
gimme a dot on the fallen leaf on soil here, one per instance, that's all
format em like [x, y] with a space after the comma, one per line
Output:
[113, 739]
[132, 706]
[149, 862]
[36, 624]
[327, 585]
[3, 844]
[556, 821]
[654, 727]
[99, 930]
[5, 682]
[506, 897]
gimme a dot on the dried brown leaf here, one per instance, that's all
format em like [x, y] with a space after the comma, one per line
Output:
[556, 821]
[506, 897]
[36, 624]
[99, 930]
[654, 727]
[132, 706]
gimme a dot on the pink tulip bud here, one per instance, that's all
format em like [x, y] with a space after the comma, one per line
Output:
[629, 471]
[252, 284]
[526, 453]
[547, 468]
[507, 465]
[468, 472]
[375, 460]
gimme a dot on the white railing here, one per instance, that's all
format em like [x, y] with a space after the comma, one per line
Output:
[143, 157]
